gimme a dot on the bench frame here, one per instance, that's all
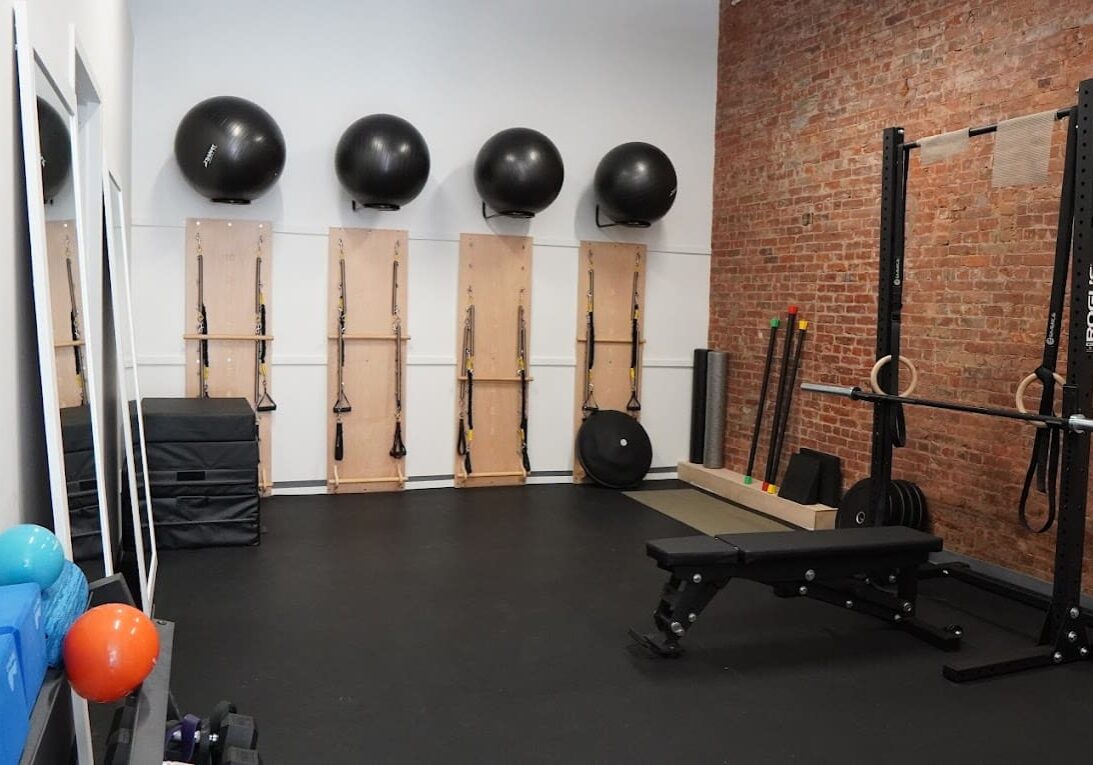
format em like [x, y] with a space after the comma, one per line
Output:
[848, 581]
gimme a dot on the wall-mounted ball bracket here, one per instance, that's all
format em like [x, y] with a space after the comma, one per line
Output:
[381, 206]
[519, 214]
[626, 223]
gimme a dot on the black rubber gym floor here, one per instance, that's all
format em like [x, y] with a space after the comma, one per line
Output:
[489, 625]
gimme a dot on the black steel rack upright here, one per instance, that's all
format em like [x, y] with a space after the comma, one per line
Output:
[1064, 636]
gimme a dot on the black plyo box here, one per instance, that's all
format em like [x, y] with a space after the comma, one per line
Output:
[203, 471]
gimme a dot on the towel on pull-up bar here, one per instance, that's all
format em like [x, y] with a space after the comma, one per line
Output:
[1022, 149]
[939, 147]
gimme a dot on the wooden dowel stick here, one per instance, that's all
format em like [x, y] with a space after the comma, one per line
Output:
[194, 336]
[365, 336]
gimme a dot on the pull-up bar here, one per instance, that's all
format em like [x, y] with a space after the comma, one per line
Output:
[985, 129]
[1075, 422]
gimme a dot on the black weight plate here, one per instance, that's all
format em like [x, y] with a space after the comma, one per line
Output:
[854, 510]
[907, 507]
[920, 506]
[923, 506]
[912, 499]
[614, 449]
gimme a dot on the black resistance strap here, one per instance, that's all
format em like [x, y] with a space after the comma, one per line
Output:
[263, 402]
[341, 403]
[74, 325]
[522, 371]
[202, 325]
[466, 388]
[1046, 448]
[398, 446]
[589, 404]
[634, 404]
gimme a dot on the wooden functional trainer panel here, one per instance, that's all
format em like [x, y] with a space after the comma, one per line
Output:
[368, 430]
[60, 247]
[230, 249]
[497, 271]
[613, 263]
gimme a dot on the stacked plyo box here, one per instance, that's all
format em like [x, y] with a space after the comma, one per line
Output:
[203, 471]
[83, 494]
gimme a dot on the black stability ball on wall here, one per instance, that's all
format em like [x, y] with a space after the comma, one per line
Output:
[518, 172]
[382, 161]
[56, 147]
[635, 184]
[230, 149]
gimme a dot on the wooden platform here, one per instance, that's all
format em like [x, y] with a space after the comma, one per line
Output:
[731, 486]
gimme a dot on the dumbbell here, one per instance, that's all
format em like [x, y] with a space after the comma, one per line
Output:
[118, 747]
[204, 741]
[233, 755]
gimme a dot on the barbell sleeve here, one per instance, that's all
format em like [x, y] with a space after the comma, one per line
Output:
[830, 390]
[1079, 422]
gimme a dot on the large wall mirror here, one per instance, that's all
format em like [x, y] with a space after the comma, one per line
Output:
[132, 416]
[66, 356]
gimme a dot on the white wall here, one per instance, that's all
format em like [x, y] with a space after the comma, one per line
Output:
[589, 74]
[103, 27]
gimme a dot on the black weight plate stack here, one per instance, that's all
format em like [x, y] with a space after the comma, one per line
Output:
[855, 510]
[911, 501]
[920, 502]
[614, 449]
[907, 517]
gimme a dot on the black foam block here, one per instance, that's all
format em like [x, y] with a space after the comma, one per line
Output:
[698, 407]
[831, 477]
[801, 482]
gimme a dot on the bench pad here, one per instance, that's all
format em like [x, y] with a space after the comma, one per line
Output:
[736, 549]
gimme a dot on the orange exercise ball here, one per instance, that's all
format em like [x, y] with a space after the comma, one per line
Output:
[109, 651]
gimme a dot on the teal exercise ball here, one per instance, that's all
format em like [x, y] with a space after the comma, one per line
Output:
[30, 553]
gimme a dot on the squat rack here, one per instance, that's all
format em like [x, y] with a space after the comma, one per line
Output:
[1063, 637]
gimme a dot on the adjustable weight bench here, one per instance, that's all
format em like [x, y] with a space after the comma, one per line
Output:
[873, 570]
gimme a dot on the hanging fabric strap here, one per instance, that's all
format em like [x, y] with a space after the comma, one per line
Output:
[202, 325]
[589, 404]
[1044, 461]
[74, 325]
[522, 372]
[341, 403]
[398, 446]
[263, 402]
[466, 388]
[634, 404]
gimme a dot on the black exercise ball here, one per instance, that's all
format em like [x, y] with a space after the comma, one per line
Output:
[230, 149]
[55, 145]
[518, 172]
[382, 161]
[635, 184]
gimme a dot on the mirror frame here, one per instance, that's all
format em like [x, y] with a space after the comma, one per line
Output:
[117, 257]
[29, 62]
[92, 151]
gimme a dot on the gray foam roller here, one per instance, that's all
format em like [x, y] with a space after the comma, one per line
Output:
[717, 372]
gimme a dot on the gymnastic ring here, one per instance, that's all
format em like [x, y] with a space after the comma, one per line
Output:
[1023, 385]
[874, 374]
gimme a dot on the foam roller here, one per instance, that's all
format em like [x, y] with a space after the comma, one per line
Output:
[717, 371]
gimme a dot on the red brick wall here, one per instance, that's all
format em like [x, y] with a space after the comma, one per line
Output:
[804, 89]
